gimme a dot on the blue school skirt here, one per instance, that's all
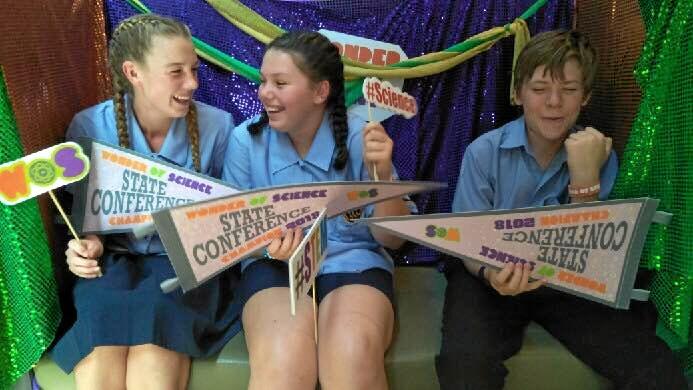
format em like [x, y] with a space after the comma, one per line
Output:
[267, 273]
[126, 307]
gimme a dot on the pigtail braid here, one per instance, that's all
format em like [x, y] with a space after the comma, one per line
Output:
[319, 59]
[340, 128]
[194, 136]
[131, 41]
[119, 110]
[256, 128]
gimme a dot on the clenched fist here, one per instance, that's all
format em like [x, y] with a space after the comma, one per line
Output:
[587, 151]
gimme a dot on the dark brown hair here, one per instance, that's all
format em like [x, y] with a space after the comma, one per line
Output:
[319, 59]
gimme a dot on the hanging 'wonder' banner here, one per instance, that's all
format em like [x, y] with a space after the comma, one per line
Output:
[41, 172]
[124, 187]
[368, 51]
[204, 238]
[591, 249]
[305, 262]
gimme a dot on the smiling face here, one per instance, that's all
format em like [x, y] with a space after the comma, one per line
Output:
[292, 100]
[164, 84]
[552, 103]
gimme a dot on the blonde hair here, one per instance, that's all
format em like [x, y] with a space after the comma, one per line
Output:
[132, 40]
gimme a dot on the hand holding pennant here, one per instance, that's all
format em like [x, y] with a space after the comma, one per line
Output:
[202, 239]
[591, 250]
[42, 172]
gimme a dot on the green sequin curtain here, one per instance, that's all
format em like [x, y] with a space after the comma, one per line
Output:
[53, 59]
[658, 162]
[29, 309]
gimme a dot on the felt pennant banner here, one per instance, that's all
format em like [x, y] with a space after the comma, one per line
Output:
[305, 262]
[590, 250]
[41, 172]
[124, 187]
[204, 238]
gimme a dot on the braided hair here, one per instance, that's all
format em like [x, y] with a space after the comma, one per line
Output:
[132, 40]
[318, 59]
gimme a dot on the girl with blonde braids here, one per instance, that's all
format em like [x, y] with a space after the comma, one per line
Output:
[128, 333]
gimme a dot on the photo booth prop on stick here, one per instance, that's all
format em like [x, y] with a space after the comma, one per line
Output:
[124, 187]
[304, 264]
[204, 238]
[368, 51]
[42, 172]
[385, 95]
[391, 98]
[591, 250]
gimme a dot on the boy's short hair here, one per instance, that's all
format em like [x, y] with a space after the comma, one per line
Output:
[552, 49]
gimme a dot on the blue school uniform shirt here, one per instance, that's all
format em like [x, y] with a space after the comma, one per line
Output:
[269, 159]
[498, 171]
[215, 127]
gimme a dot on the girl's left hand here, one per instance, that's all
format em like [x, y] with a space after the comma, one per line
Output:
[377, 150]
[283, 248]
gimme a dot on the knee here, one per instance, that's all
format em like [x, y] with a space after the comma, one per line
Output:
[278, 359]
[104, 358]
[150, 357]
[354, 357]
[354, 347]
[104, 368]
[154, 367]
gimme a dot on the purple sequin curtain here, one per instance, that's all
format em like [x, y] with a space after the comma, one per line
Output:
[455, 106]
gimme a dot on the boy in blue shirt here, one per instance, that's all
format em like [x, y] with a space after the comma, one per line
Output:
[542, 158]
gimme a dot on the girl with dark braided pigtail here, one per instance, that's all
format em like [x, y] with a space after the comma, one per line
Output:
[314, 65]
[305, 135]
[128, 333]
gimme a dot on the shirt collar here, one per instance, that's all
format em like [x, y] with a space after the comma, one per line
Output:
[319, 155]
[175, 148]
[515, 136]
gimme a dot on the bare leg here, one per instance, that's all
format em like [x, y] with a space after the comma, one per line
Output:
[355, 330]
[152, 367]
[281, 347]
[104, 368]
